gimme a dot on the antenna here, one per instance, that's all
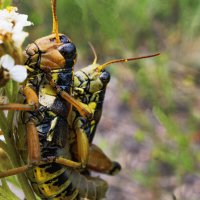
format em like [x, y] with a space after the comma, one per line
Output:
[94, 52]
[55, 20]
[103, 66]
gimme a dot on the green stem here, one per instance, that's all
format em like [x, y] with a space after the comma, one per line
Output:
[3, 121]
[7, 125]
[4, 146]
[15, 159]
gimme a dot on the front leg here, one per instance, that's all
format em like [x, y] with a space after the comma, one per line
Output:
[31, 99]
[32, 133]
[33, 143]
[25, 168]
[84, 110]
[31, 96]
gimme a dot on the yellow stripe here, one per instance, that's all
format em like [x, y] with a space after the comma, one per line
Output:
[50, 190]
[42, 176]
[71, 197]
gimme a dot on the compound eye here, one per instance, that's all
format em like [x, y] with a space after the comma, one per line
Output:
[105, 77]
[64, 39]
[68, 51]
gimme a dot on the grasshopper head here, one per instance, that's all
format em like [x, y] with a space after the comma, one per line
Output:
[94, 77]
[46, 52]
[55, 51]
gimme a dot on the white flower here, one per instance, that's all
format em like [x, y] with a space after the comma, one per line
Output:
[19, 38]
[13, 23]
[5, 27]
[17, 72]
[2, 138]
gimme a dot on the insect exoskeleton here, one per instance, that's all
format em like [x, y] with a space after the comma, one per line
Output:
[56, 139]
[90, 85]
[50, 64]
[48, 100]
[46, 52]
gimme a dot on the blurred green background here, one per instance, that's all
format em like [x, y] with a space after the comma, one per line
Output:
[155, 111]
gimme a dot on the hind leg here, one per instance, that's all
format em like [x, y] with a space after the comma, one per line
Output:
[82, 143]
[99, 162]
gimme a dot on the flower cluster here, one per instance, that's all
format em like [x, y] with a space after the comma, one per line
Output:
[12, 24]
[12, 36]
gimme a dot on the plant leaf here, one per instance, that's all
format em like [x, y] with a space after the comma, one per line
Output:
[3, 122]
[9, 90]
[6, 193]
[3, 146]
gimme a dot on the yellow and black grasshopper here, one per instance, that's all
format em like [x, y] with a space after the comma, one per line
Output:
[90, 85]
[59, 137]
[48, 101]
